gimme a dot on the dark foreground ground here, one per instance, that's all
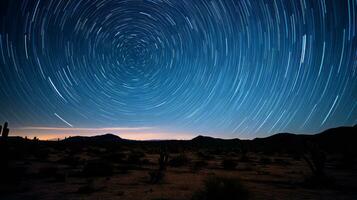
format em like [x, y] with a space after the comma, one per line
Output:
[283, 166]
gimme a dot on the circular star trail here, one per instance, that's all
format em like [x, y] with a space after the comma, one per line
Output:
[231, 68]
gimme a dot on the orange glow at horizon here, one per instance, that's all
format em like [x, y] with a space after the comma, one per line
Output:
[133, 133]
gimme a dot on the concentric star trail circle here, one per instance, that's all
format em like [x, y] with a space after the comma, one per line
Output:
[231, 68]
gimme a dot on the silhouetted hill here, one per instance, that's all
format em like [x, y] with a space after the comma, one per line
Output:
[338, 140]
[279, 142]
[206, 141]
[334, 140]
[98, 138]
[202, 138]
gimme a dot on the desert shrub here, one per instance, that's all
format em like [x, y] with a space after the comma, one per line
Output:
[216, 151]
[161, 198]
[244, 157]
[41, 154]
[60, 177]
[11, 174]
[135, 157]
[97, 168]
[204, 155]
[47, 172]
[346, 161]
[317, 182]
[116, 157]
[229, 164]
[157, 175]
[265, 160]
[223, 189]
[179, 161]
[296, 156]
[89, 188]
[86, 189]
[281, 161]
[94, 151]
[70, 160]
[198, 165]
[316, 160]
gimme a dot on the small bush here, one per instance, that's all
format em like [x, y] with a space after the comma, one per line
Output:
[97, 168]
[156, 176]
[347, 161]
[265, 161]
[70, 160]
[179, 161]
[281, 161]
[198, 165]
[229, 164]
[42, 154]
[47, 172]
[89, 188]
[204, 155]
[319, 182]
[116, 157]
[223, 189]
[135, 157]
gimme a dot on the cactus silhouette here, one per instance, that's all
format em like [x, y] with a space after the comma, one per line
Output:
[158, 175]
[164, 157]
[4, 131]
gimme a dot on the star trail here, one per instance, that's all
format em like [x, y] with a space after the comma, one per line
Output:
[226, 68]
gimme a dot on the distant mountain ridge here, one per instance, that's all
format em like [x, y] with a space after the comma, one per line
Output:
[97, 138]
[334, 137]
[340, 139]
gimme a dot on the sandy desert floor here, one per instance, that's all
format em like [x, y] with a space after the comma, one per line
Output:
[102, 173]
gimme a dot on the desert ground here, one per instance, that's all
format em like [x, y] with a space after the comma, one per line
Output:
[166, 170]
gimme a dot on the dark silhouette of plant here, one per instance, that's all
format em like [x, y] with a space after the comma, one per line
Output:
[135, 157]
[229, 164]
[198, 165]
[97, 168]
[244, 152]
[164, 157]
[4, 131]
[158, 175]
[179, 160]
[316, 160]
[222, 188]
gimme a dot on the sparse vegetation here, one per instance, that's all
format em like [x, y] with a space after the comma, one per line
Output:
[4, 131]
[157, 175]
[89, 188]
[135, 157]
[316, 161]
[199, 164]
[229, 164]
[179, 161]
[97, 168]
[222, 188]
[265, 160]
[128, 170]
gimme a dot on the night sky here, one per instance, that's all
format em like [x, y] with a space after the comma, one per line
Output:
[177, 68]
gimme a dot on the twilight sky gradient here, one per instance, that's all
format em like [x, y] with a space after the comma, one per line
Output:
[147, 69]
